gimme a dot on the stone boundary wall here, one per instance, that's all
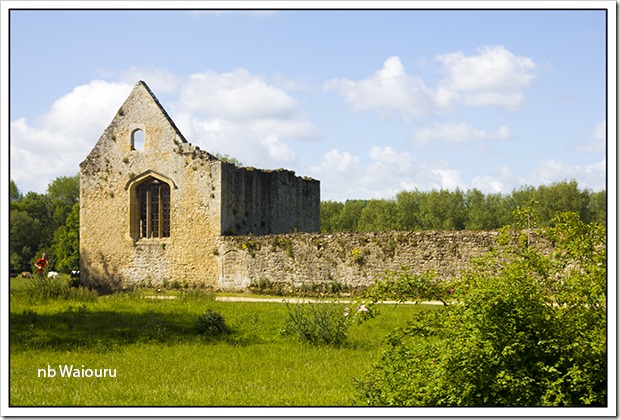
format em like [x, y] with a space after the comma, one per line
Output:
[351, 259]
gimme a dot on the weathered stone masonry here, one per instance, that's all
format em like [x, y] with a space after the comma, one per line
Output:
[156, 209]
[152, 205]
[351, 259]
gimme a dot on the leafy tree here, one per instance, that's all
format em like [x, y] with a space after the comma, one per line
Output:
[31, 229]
[66, 244]
[501, 208]
[561, 197]
[443, 210]
[378, 216]
[23, 240]
[597, 207]
[350, 214]
[528, 328]
[14, 193]
[330, 213]
[456, 210]
[408, 207]
[479, 215]
[63, 193]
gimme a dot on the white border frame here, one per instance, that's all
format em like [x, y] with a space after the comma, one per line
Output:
[611, 410]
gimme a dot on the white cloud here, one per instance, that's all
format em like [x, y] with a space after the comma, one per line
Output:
[277, 150]
[589, 176]
[600, 131]
[494, 76]
[58, 141]
[387, 172]
[86, 106]
[488, 184]
[457, 133]
[239, 114]
[448, 178]
[596, 142]
[236, 95]
[390, 90]
[342, 162]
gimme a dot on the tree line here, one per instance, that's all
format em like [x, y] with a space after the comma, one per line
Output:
[45, 223]
[462, 210]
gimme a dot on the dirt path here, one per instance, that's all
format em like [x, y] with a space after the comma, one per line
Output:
[302, 300]
[285, 300]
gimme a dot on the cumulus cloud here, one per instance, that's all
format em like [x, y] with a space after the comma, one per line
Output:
[493, 76]
[502, 179]
[240, 114]
[385, 173]
[342, 162]
[390, 90]
[488, 184]
[590, 175]
[86, 106]
[458, 133]
[277, 150]
[58, 141]
[236, 95]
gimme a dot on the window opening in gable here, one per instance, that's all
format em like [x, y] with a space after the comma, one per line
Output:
[154, 203]
[137, 140]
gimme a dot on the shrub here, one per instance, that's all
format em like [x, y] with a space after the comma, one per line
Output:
[41, 289]
[528, 329]
[212, 324]
[264, 286]
[201, 294]
[318, 323]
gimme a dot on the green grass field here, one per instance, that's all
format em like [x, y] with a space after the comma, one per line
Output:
[160, 359]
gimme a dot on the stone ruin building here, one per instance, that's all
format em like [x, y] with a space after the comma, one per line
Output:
[156, 210]
[152, 206]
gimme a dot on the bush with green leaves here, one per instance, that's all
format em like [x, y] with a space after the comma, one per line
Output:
[212, 324]
[318, 322]
[526, 328]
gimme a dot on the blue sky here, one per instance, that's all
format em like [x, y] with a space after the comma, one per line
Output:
[370, 102]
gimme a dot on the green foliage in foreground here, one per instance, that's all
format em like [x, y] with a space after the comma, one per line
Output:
[212, 324]
[521, 328]
[318, 323]
[161, 358]
[40, 289]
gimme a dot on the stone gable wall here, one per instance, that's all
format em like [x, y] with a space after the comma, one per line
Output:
[109, 256]
[207, 198]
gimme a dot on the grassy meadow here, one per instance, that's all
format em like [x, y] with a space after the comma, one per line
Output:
[160, 359]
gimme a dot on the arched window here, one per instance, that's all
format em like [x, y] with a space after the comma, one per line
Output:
[153, 200]
[137, 140]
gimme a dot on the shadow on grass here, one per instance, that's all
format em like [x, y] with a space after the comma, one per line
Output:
[101, 330]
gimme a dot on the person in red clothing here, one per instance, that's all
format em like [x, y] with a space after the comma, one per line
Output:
[41, 263]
